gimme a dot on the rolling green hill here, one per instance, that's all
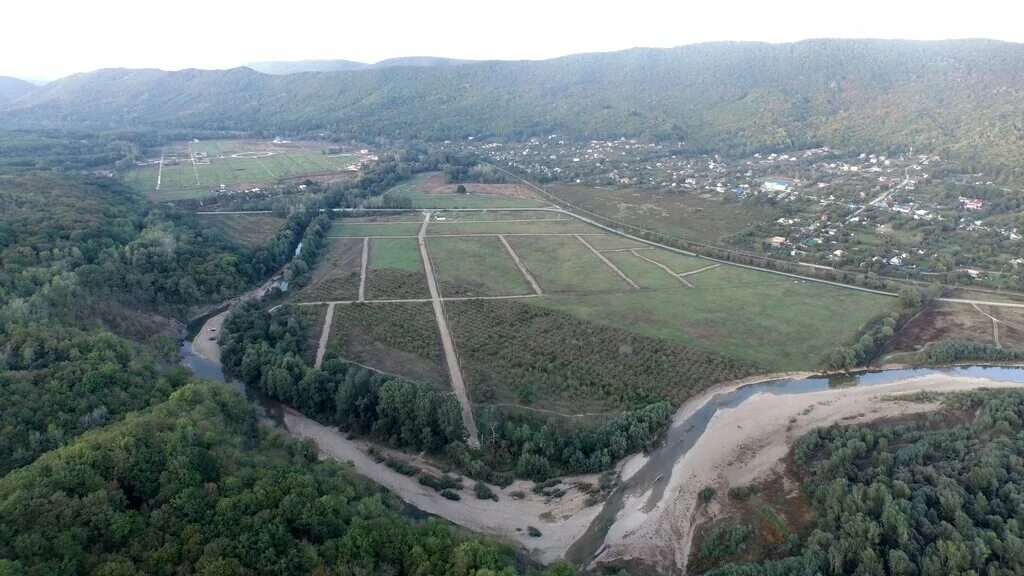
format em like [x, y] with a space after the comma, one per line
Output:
[961, 97]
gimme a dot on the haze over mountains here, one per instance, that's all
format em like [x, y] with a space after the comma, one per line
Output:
[281, 67]
[14, 88]
[961, 97]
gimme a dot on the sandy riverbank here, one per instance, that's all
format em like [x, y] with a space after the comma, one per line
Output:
[202, 345]
[560, 521]
[744, 444]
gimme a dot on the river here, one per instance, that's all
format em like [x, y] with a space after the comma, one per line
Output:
[587, 530]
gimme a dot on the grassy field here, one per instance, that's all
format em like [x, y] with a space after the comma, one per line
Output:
[425, 191]
[395, 270]
[610, 242]
[644, 273]
[770, 321]
[566, 226]
[337, 276]
[684, 215]
[564, 264]
[237, 164]
[475, 267]
[345, 228]
[676, 262]
[666, 339]
[244, 229]
[486, 215]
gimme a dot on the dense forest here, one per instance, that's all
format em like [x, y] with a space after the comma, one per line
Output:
[933, 496]
[267, 352]
[113, 460]
[732, 98]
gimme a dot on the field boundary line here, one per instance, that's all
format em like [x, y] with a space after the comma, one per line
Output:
[608, 262]
[160, 170]
[192, 156]
[521, 265]
[697, 271]
[325, 333]
[667, 270]
[256, 158]
[407, 300]
[628, 250]
[447, 341]
[362, 269]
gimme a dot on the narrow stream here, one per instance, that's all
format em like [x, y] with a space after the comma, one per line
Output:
[655, 473]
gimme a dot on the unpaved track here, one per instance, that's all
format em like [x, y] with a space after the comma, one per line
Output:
[160, 171]
[697, 271]
[362, 269]
[406, 300]
[454, 370]
[325, 335]
[608, 262]
[522, 267]
[663, 267]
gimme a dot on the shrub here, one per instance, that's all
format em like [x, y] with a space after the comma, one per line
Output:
[484, 492]
[451, 494]
[706, 494]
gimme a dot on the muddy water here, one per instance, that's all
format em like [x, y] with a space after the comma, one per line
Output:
[682, 435]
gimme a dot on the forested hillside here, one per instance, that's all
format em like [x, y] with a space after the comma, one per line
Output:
[953, 97]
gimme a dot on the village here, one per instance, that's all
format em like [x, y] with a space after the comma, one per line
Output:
[898, 213]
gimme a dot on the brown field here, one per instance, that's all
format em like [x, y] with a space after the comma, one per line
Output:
[337, 275]
[434, 184]
[949, 321]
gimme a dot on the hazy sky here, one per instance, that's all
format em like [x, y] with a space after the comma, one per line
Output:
[48, 39]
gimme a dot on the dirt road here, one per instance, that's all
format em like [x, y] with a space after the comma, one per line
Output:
[447, 343]
[522, 267]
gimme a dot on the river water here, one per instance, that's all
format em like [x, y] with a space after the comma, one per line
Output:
[680, 437]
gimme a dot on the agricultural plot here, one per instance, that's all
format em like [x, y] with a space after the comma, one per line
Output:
[427, 191]
[564, 264]
[514, 352]
[614, 326]
[565, 226]
[491, 215]
[684, 215]
[311, 319]
[475, 267]
[400, 338]
[678, 263]
[395, 270]
[247, 230]
[337, 276]
[644, 273]
[610, 242]
[345, 228]
[198, 169]
[773, 322]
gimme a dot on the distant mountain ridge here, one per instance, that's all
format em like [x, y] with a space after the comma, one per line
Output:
[14, 88]
[295, 67]
[963, 97]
